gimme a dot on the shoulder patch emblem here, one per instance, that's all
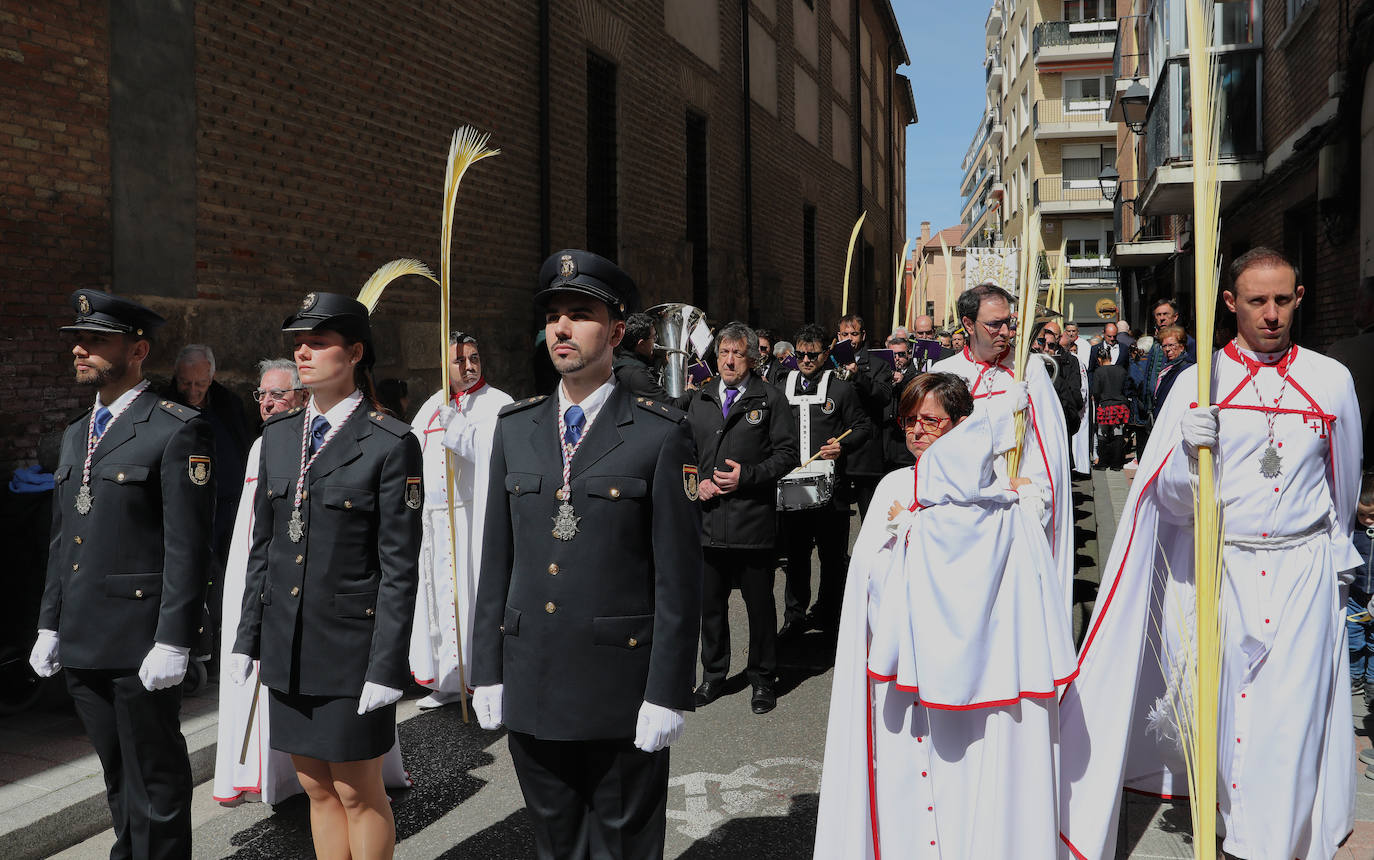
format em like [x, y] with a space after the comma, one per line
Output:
[754, 416]
[829, 406]
[198, 469]
[689, 481]
[413, 493]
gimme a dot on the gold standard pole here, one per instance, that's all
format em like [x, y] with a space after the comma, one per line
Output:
[468, 146]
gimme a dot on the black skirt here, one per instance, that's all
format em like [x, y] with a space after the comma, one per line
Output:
[329, 728]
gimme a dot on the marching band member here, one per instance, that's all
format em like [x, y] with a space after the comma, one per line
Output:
[943, 730]
[1286, 433]
[985, 364]
[331, 581]
[464, 423]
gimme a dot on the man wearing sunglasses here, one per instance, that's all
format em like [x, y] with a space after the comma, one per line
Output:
[985, 312]
[872, 380]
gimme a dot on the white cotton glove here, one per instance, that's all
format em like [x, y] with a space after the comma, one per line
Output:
[447, 413]
[486, 701]
[1034, 499]
[165, 666]
[1346, 577]
[658, 727]
[376, 696]
[1018, 395]
[43, 658]
[239, 669]
[1200, 429]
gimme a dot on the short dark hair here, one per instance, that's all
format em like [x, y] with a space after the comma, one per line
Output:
[1261, 258]
[812, 333]
[765, 333]
[853, 318]
[949, 388]
[972, 299]
[1172, 303]
[638, 327]
[460, 337]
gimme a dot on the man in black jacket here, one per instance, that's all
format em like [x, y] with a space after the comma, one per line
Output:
[745, 442]
[824, 407]
[133, 497]
[872, 381]
[1045, 340]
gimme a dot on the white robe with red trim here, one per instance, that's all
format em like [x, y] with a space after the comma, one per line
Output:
[434, 643]
[1045, 456]
[1286, 762]
[266, 774]
[955, 754]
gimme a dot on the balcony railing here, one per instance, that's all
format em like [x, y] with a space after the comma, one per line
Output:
[1067, 34]
[993, 61]
[1169, 139]
[1086, 113]
[1057, 189]
[1084, 275]
[1131, 226]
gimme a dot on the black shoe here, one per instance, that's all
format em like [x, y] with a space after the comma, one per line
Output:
[791, 629]
[764, 699]
[707, 692]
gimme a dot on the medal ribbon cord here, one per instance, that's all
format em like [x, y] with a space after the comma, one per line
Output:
[324, 443]
[569, 450]
[92, 440]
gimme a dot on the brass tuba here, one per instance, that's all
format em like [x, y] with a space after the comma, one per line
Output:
[675, 324]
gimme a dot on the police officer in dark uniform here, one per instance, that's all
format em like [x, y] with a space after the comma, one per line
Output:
[745, 442]
[330, 590]
[589, 601]
[132, 511]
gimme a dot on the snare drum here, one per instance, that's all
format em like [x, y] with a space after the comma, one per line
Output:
[807, 488]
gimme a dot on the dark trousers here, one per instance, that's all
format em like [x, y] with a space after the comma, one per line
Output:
[137, 735]
[826, 529]
[753, 570]
[863, 487]
[602, 799]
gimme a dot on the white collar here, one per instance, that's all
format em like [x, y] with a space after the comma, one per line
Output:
[337, 413]
[122, 401]
[591, 404]
[739, 388]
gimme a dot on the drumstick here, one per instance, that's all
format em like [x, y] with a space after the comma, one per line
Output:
[818, 453]
[248, 730]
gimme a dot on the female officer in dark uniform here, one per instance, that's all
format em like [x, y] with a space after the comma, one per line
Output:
[331, 579]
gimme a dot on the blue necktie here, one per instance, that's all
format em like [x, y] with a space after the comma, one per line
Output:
[318, 428]
[575, 419]
[102, 420]
[730, 395]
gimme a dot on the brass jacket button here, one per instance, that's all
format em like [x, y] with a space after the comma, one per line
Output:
[633, 642]
[119, 477]
[348, 504]
[300, 559]
[370, 612]
[550, 607]
[295, 590]
[553, 569]
[615, 492]
[138, 592]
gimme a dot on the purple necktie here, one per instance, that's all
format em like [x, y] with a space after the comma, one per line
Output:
[730, 395]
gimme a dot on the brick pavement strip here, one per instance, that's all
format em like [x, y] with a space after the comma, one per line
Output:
[742, 785]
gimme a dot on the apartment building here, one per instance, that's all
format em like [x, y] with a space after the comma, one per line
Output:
[1297, 149]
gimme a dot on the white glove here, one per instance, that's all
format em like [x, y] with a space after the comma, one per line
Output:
[486, 701]
[1200, 429]
[447, 413]
[658, 727]
[376, 696]
[165, 666]
[239, 669]
[1019, 395]
[43, 658]
[1034, 499]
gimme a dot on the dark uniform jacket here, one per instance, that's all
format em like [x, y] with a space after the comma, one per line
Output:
[1068, 388]
[335, 610]
[638, 377]
[873, 385]
[894, 440]
[132, 571]
[581, 632]
[840, 412]
[760, 436]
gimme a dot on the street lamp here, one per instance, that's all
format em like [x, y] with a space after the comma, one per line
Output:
[1107, 181]
[1135, 106]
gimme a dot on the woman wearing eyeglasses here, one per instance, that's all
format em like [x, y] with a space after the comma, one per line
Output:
[943, 732]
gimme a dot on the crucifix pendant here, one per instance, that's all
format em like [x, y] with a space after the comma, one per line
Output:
[565, 524]
[295, 527]
[1270, 463]
[83, 500]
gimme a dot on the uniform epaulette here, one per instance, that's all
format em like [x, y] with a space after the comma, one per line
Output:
[662, 410]
[295, 410]
[511, 408]
[389, 423]
[182, 413]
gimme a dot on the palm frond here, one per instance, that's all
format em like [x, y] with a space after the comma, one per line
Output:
[849, 261]
[897, 289]
[371, 292]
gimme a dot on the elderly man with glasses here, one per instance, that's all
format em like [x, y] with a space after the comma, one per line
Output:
[985, 312]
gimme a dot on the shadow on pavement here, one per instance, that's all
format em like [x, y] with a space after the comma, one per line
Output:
[441, 776]
[509, 838]
[788, 836]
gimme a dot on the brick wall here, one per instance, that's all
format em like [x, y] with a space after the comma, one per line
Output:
[54, 204]
[320, 145]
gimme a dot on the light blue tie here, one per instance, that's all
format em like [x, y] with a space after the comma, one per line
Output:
[318, 428]
[102, 420]
[574, 419]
